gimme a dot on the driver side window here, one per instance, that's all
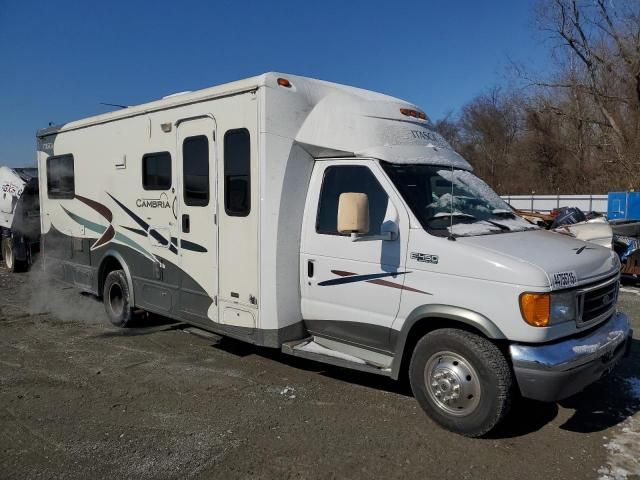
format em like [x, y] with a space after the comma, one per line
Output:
[345, 179]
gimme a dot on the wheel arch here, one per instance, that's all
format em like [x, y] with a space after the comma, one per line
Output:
[108, 263]
[427, 318]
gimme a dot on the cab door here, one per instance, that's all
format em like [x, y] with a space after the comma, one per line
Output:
[351, 289]
[198, 231]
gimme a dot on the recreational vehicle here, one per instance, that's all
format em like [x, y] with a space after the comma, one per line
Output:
[19, 217]
[335, 224]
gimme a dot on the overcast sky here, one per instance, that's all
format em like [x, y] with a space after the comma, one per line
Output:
[60, 59]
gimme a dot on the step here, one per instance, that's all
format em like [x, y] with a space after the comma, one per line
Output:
[307, 348]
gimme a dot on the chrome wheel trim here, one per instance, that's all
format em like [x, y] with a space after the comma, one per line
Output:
[452, 383]
[8, 257]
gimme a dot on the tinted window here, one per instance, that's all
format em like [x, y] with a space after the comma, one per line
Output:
[60, 177]
[195, 168]
[156, 171]
[237, 179]
[355, 179]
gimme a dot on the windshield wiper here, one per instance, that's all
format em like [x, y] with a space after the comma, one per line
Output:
[504, 228]
[438, 215]
[499, 212]
[449, 215]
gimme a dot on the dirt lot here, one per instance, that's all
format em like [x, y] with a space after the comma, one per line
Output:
[81, 399]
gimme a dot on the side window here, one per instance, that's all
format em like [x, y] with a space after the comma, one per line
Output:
[195, 170]
[60, 177]
[237, 175]
[344, 179]
[156, 171]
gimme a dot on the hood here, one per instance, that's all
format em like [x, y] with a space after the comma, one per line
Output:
[565, 260]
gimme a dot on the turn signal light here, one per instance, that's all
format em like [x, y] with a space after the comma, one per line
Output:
[413, 113]
[283, 82]
[536, 308]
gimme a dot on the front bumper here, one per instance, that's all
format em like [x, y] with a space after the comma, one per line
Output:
[554, 371]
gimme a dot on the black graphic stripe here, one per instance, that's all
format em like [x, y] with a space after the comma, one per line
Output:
[135, 230]
[194, 247]
[373, 278]
[135, 217]
[357, 278]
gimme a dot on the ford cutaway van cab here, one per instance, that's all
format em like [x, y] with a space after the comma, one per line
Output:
[335, 224]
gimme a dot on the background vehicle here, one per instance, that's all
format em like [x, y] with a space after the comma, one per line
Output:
[335, 224]
[19, 217]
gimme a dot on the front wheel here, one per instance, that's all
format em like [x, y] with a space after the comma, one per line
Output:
[9, 256]
[461, 380]
[117, 300]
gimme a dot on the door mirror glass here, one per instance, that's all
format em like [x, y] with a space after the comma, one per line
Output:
[353, 213]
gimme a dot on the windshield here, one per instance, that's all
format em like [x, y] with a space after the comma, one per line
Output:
[453, 202]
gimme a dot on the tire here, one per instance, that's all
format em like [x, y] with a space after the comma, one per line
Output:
[9, 256]
[470, 385]
[117, 299]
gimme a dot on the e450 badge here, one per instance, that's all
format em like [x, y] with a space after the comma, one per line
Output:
[424, 257]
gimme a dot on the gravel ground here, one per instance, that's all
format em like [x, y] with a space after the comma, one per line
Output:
[81, 399]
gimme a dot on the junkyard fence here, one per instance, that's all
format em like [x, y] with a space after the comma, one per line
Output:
[546, 203]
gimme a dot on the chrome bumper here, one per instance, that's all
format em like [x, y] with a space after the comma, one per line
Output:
[557, 370]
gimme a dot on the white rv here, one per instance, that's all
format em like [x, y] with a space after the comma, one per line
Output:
[335, 224]
[19, 217]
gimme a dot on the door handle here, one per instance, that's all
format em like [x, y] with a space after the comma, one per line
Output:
[186, 224]
[310, 268]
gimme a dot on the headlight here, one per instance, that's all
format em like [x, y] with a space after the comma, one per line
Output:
[544, 309]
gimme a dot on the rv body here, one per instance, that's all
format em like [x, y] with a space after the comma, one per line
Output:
[221, 208]
[19, 216]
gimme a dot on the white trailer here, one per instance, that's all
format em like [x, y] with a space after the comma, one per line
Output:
[19, 211]
[333, 223]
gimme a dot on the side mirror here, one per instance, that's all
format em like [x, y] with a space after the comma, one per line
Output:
[353, 213]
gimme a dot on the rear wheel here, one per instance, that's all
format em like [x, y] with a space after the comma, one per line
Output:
[9, 256]
[116, 297]
[461, 380]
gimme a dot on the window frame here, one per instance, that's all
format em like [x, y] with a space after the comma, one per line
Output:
[184, 176]
[156, 154]
[322, 192]
[61, 196]
[233, 213]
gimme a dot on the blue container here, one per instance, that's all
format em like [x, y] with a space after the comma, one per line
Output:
[623, 206]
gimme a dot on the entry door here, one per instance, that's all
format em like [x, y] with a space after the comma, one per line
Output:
[198, 232]
[351, 289]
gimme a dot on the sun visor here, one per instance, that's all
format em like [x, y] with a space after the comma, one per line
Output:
[375, 126]
[414, 154]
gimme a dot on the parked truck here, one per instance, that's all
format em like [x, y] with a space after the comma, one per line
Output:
[335, 224]
[19, 217]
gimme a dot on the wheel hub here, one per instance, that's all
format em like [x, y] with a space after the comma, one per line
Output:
[116, 299]
[452, 383]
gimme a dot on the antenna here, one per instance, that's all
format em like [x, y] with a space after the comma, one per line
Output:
[451, 237]
[114, 105]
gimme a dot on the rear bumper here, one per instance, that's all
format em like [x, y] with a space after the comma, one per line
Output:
[558, 370]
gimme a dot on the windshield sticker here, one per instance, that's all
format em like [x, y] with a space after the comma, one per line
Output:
[564, 280]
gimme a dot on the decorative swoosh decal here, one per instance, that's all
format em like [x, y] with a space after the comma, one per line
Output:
[100, 229]
[109, 233]
[375, 278]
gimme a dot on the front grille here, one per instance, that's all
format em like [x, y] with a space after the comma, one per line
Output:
[598, 301]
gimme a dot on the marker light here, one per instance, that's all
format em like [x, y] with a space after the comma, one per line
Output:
[536, 308]
[413, 113]
[283, 82]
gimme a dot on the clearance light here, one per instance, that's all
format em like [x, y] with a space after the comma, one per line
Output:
[413, 113]
[536, 308]
[283, 82]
